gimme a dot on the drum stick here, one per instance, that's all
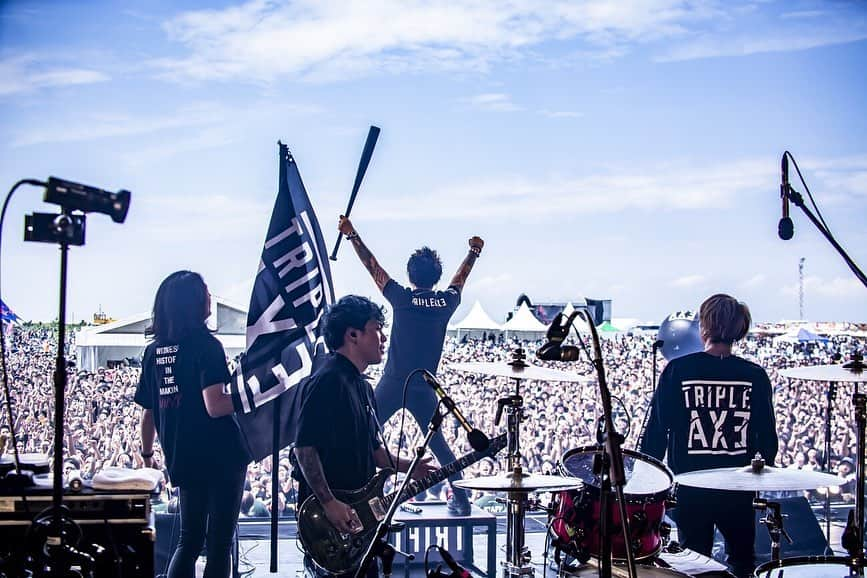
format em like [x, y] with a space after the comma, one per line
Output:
[372, 135]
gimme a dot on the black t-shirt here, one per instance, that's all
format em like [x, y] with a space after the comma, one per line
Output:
[197, 447]
[711, 412]
[421, 317]
[337, 419]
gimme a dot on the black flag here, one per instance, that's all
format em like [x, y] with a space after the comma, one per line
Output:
[291, 291]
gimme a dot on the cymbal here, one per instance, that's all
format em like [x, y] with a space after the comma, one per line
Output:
[501, 369]
[767, 479]
[520, 483]
[825, 373]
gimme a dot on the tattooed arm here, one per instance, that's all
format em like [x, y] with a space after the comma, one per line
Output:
[380, 277]
[341, 515]
[463, 271]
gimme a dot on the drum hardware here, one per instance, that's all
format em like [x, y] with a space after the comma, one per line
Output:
[773, 521]
[852, 371]
[810, 567]
[757, 478]
[648, 493]
[855, 523]
[611, 468]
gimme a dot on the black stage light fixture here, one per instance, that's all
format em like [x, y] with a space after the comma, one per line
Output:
[75, 196]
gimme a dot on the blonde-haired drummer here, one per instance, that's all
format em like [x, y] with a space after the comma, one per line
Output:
[713, 409]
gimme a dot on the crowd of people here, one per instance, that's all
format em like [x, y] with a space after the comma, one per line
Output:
[102, 420]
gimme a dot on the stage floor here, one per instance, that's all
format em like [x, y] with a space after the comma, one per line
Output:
[255, 555]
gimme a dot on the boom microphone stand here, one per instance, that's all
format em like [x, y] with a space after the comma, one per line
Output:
[613, 470]
[379, 546]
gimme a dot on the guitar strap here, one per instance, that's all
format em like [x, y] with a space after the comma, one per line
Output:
[370, 404]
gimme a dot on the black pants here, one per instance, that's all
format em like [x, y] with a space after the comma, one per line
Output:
[208, 511]
[699, 511]
[421, 404]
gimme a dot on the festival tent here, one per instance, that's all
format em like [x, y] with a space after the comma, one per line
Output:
[105, 345]
[524, 325]
[476, 324]
[607, 327]
[800, 335]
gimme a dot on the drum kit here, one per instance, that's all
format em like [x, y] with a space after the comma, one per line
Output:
[577, 509]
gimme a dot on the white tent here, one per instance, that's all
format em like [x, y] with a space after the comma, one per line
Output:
[102, 345]
[524, 325]
[476, 324]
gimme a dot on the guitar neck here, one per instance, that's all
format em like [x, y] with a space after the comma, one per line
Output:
[417, 486]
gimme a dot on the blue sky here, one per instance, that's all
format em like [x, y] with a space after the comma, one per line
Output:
[610, 149]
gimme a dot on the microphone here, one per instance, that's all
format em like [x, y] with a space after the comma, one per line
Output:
[553, 350]
[457, 569]
[785, 229]
[477, 439]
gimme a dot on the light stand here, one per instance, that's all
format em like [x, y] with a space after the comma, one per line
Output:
[66, 229]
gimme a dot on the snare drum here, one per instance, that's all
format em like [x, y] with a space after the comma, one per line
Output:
[648, 486]
[809, 567]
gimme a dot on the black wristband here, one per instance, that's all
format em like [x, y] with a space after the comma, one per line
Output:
[146, 455]
[476, 251]
[352, 235]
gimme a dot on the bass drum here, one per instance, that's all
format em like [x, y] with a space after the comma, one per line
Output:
[809, 567]
[576, 523]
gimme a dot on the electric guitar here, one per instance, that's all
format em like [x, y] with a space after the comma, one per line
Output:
[338, 553]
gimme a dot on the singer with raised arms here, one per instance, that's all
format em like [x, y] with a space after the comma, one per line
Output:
[421, 316]
[338, 444]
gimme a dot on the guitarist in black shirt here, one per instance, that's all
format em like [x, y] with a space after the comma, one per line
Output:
[337, 444]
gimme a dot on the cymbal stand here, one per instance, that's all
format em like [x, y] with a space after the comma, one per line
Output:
[855, 544]
[831, 396]
[517, 562]
[773, 521]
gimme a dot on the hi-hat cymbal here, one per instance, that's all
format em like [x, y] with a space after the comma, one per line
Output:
[825, 373]
[520, 483]
[767, 479]
[520, 371]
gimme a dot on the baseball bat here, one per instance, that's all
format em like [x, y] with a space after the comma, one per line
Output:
[369, 145]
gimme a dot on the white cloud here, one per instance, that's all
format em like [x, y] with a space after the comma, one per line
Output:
[26, 73]
[663, 187]
[183, 218]
[560, 113]
[492, 101]
[688, 281]
[109, 125]
[836, 287]
[756, 280]
[325, 39]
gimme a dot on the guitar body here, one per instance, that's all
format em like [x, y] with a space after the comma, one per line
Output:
[332, 550]
[339, 553]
